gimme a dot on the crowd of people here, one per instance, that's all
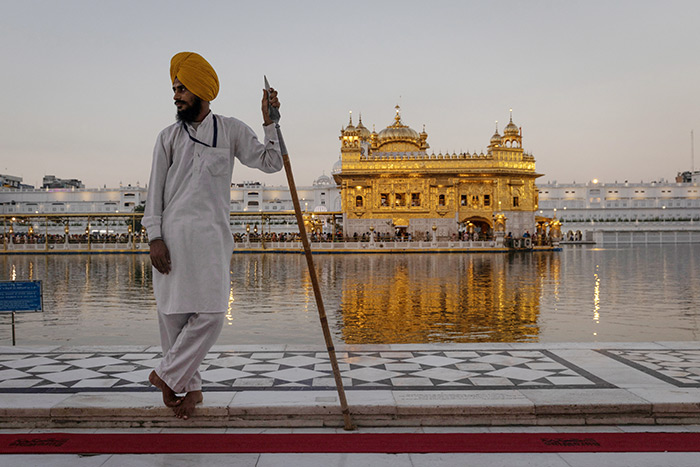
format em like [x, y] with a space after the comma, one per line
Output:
[23, 238]
[527, 240]
[399, 236]
[20, 238]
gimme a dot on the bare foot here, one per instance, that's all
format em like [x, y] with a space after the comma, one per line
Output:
[186, 408]
[170, 399]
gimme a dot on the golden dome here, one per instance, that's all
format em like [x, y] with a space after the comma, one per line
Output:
[511, 129]
[398, 131]
[364, 131]
[496, 138]
[350, 126]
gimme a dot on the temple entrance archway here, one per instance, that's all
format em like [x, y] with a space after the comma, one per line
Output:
[476, 228]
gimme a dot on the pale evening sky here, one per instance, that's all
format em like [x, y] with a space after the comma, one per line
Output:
[602, 89]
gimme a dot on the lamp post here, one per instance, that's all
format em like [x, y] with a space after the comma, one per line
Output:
[434, 233]
[87, 233]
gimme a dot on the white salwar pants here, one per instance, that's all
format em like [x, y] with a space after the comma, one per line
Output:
[186, 339]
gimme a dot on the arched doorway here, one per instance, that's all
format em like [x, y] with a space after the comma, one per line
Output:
[400, 228]
[476, 228]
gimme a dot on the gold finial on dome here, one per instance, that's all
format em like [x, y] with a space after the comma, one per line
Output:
[397, 119]
[495, 139]
[350, 126]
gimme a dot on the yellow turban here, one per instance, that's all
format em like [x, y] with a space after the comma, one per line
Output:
[196, 74]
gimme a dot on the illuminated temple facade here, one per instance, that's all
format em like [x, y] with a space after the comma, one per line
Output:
[390, 183]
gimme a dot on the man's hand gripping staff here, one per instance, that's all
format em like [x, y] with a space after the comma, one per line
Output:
[271, 114]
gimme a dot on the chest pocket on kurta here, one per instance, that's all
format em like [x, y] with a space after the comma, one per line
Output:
[216, 161]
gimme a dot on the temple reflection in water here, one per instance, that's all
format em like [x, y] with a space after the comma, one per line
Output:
[581, 294]
[444, 298]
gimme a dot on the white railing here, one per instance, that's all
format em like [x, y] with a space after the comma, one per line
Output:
[370, 246]
[58, 247]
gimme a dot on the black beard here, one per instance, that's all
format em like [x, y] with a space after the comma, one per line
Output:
[189, 114]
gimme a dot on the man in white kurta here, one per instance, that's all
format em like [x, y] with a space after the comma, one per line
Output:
[187, 219]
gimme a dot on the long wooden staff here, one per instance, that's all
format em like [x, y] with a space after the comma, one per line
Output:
[274, 114]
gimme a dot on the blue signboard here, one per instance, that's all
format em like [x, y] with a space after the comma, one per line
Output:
[20, 296]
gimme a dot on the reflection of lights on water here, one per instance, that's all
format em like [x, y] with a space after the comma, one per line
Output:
[229, 312]
[596, 298]
[13, 274]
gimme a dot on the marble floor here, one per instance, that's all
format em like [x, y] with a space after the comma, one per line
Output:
[75, 371]
[661, 378]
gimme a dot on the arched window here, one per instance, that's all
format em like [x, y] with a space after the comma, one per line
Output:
[441, 200]
[358, 202]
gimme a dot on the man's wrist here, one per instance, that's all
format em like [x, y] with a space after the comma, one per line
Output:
[154, 240]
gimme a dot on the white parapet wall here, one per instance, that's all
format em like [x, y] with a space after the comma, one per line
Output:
[645, 237]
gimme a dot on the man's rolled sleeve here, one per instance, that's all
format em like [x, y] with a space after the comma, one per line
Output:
[152, 215]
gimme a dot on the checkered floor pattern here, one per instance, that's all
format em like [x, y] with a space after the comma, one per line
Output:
[226, 371]
[678, 367]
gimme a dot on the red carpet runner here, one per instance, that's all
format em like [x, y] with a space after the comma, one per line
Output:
[154, 443]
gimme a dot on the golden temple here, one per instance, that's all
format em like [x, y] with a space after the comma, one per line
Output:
[390, 184]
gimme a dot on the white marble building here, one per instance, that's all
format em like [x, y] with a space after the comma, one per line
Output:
[322, 196]
[598, 211]
[593, 208]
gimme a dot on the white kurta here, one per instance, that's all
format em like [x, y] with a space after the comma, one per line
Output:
[188, 206]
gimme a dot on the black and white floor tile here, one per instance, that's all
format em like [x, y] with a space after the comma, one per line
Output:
[679, 367]
[293, 370]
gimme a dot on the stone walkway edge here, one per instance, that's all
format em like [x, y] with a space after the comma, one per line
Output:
[251, 386]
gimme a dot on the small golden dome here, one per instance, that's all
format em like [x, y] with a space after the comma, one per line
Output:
[496, 138]
[350, 126]
[364, 131]
[511, 129]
